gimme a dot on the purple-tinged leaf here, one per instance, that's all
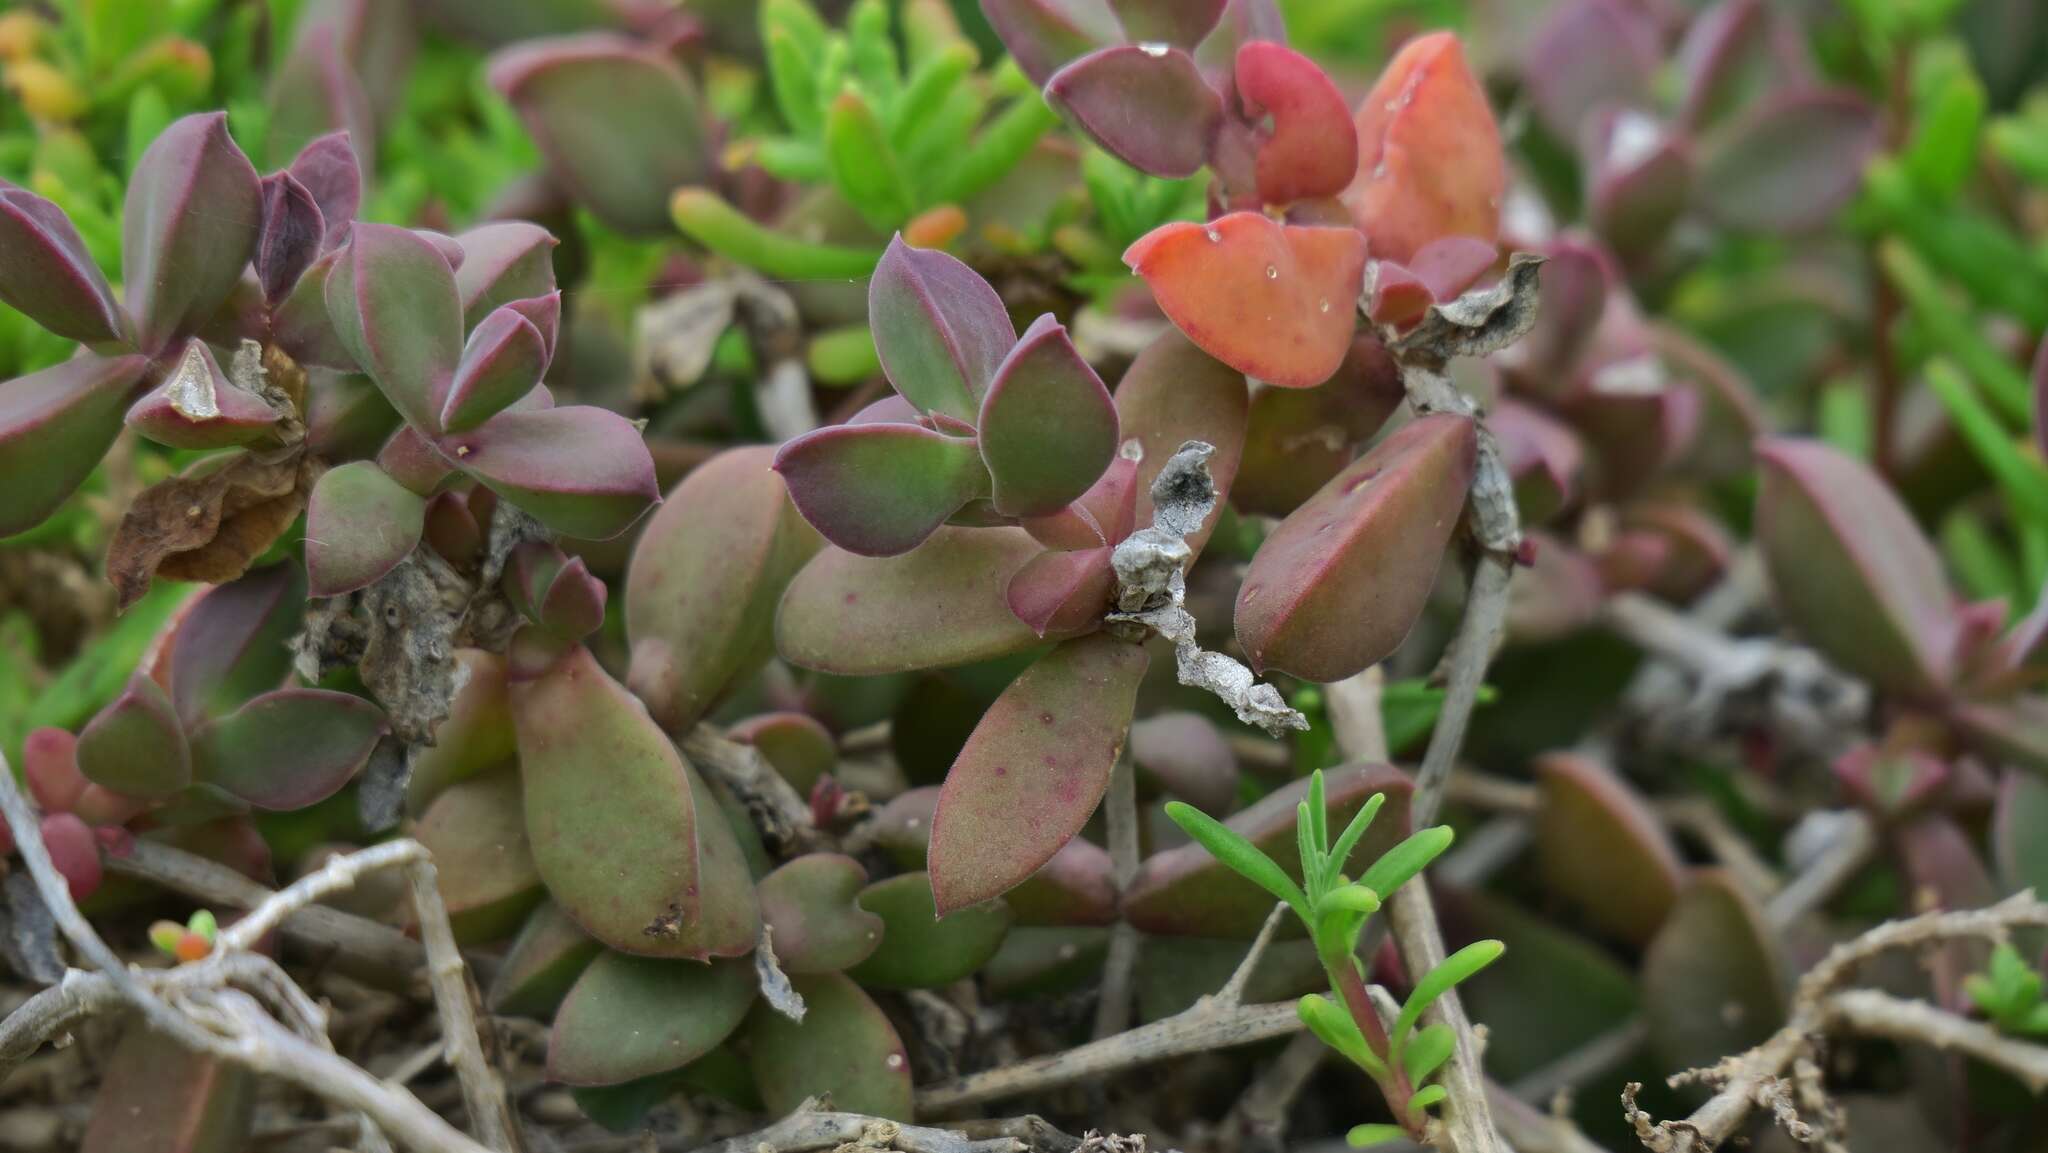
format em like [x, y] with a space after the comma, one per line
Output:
[503, 361]
[1791, 163]
[47, 275]
[809, 903]
[941, 604]
[1890, 783]
[610, 812]
[293, 230]
[1104, 515]
[583, 472]
[940, 330]
[1184, 754]
[49, 767]
[316, 93]
[1338, 585]
[1641, 180]
[327, 168]
[1575, 279]
[188, 228]
[1076, 887]
[1723, 51]
[504, 261]
[476, 831]
[633, 1017]
[1544, 458]
[619, 122]
[544, 313]
[55, 425]
[1851, 571]
[74, 851]
[922, 949]
[1713, 982]
[705, 579]
[289, 748]
[1034, 769]
[393, 302]
[231, 643]
[302, 326]
[796, 746]
[1063, 593]
[542, 965]
[1043, 36]
[1174, 393]
[1273, 301]
[1048, 428]
[1602, 850]
[412, 460]
[1312, 150]
[198, 406]
[844, 1046]
[1186, 892]
[880, 489]
[1242, 22]
[1145, 104]
[1181, 23]
[359, 525]
[135, 746]
[1557, 594]
[2014, 731]
[156, 1096]
[1590, 54]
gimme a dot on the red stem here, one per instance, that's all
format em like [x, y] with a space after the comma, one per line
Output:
[1345, 978]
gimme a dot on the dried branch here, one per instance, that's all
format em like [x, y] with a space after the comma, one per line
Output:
[782, 815]
[1120, 816]
[1467, 1120]
[808, 1129]
[1874, 1014]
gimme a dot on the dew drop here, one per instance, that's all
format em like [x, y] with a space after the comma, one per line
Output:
[1251, 593]
[894, 1061]
[1215, 235]
[1154, 49]
[1272, 272]
[1132, 449]
[1323, 304]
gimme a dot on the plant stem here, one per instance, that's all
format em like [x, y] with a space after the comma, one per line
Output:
[1120, 813]
[1345, 979]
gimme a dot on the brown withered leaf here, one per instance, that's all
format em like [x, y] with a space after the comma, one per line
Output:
[211, 523]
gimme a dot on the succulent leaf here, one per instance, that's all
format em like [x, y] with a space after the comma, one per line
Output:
[287, 749]
[1034, 770]
[1185, 753]
[1429, 153]
[1044, 35]
[940, 330]
[1174, 393]
[810, 904]
[156, 1096]
[797, 747]
[542, 964]
[503, 361]
[46, 273]
[844, 1046]
[475, 735]
[631, 1017]
[706, 576]
[55, 425]
[359, 525]
[1047, 428]
[1273, 301]
[291, 235]
[1181, 23]
[476, 830]
[1588, 55]
[1296, 439]
[394, 306]
[1146, 104]
[1312, 151]
[1712, 979]
[880, 490]
[231, 643]
[583, 472]
[1063, 592]
[198, 406]
[1791, 162]
[188, 228]
[1338, 585]
[327, 168]
[919, 949]
[1076, 888]
[505, 261]
[1601, 848]
[135, 746]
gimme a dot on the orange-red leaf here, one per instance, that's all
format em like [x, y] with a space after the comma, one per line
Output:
[1429, 154]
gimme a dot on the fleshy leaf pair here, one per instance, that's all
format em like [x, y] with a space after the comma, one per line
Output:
[212, 725]
[983, 422]
[477, 408]
[561, 601]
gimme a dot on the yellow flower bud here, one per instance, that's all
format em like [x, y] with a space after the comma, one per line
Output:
[46, 93]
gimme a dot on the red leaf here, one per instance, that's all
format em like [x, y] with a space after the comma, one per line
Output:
[1311, 150]
[1429, 154]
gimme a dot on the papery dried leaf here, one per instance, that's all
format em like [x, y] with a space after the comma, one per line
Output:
[631, 1017]
[1273, 301]
[476, 830]
[920, 949]
[1338, 585]
[1600, 848]
[55, 425]
[940, 330]
[188, 227]
[1047, 427]
[941, 604]
[1791, 163]
[583, 472]
[288, 749]
[46, 273]
[620, 123]
[394, 306]
[809, 902]
[1145, 104]
[1851, 570]
[1034, 770]
[210, 524]
[880, 489]
[705, 579]
[1312, 150]
[136, 746]
[1044, 35]
[359, 525]
[1186, 892]
[1429, 154]
[844, 1046]
[200, 407]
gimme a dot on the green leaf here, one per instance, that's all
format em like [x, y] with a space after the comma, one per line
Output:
[1406, 859]
[1240, 854]
[1335, 1028]
[2022, 478]
[1427, 1051]
[1955, 333]
[1353, 898]
[864, 167]
[1438, 981]
[919, 950]
[1366, 1136]
[791, 73]
[1348, 840]
[874, 50]
[930, 87]
[1426, 1096]
[1318, 816]
[631, 1017]
[706, 218]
